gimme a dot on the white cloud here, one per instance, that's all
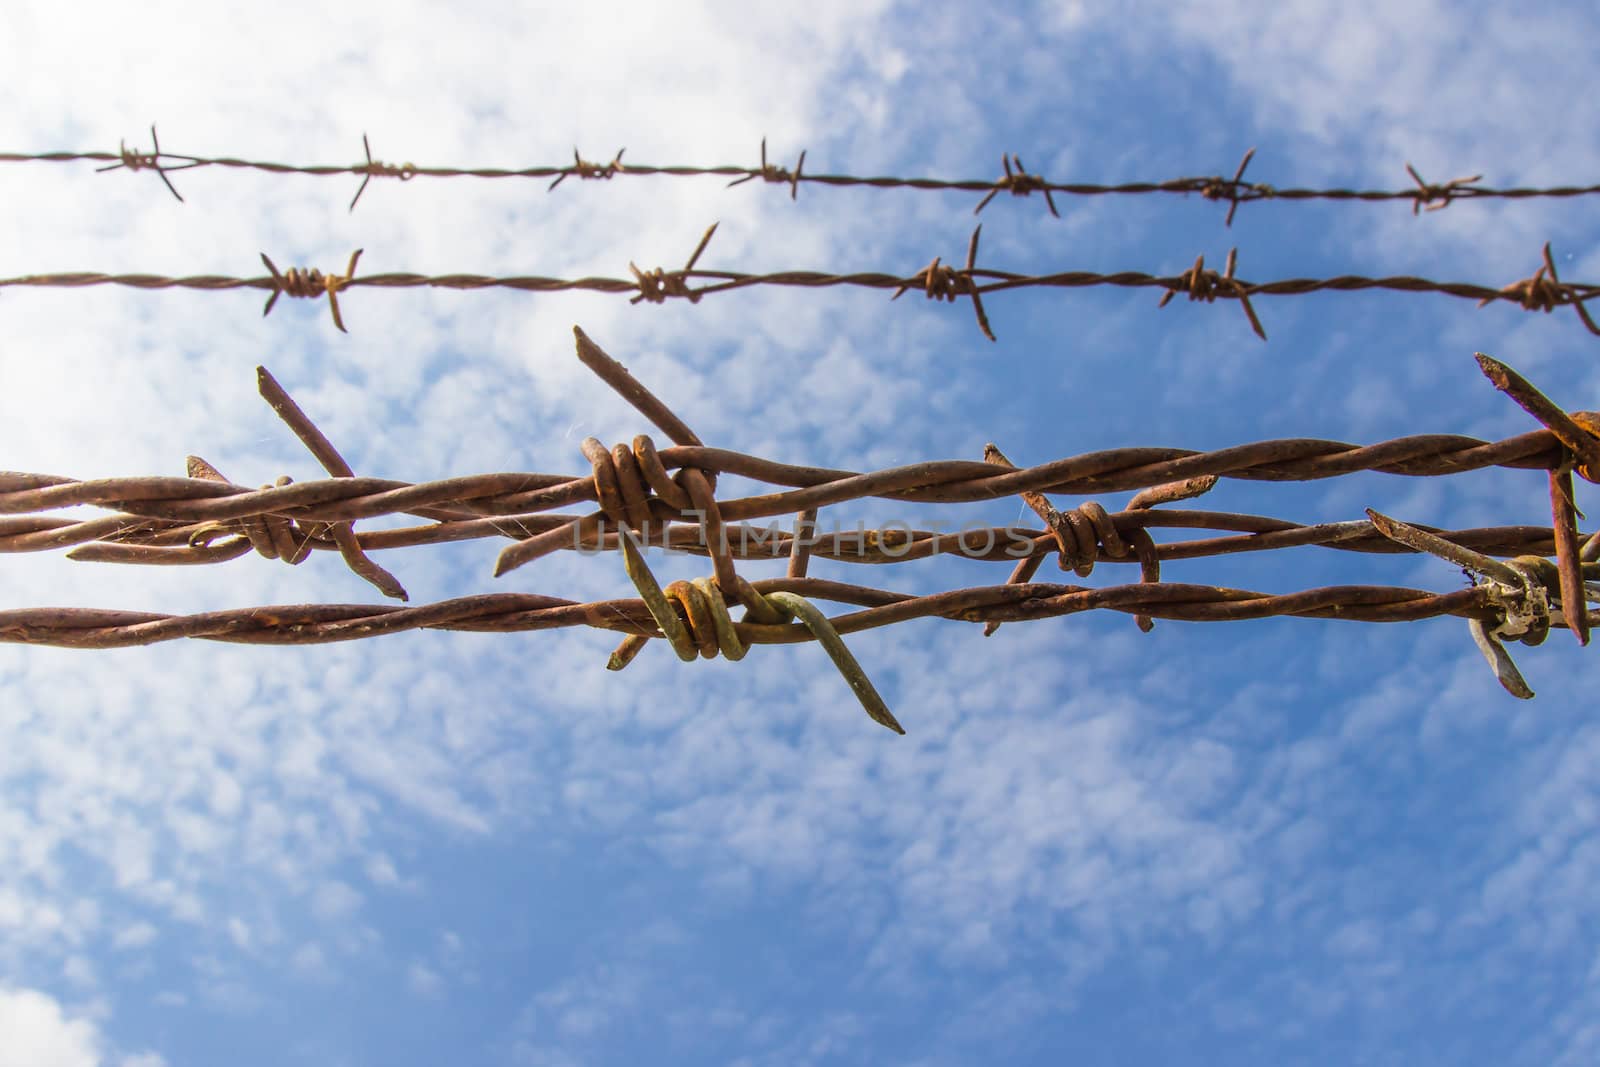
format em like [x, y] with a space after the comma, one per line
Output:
[381, 871]
[423, 980]
[311, 962]
[79, 971]
[220, 786]
[333, 901]
[39, 1033]
[239, 932]
[174, 771]
[135, 935]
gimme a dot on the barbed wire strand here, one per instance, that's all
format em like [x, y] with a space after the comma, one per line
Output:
[1543, 291]
[168, 520]
[1015, 180]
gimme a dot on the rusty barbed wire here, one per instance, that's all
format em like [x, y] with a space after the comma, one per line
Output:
[1543, 291]
[1234, 190]
[204, 519]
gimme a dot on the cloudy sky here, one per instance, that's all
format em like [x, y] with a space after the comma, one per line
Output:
[1285, 841]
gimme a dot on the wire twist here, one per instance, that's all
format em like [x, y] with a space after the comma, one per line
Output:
[1018, 183]
[1545, 292]
[588, 171]
[1444, 194]
[775, 174]
[940, 281]
[1202, 284]
[299, 282]
[134, 160]
[1235, 190]
[374, 169]
[271, 536]
[656, 285]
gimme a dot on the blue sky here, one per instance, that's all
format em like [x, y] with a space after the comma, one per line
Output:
[1285, 841]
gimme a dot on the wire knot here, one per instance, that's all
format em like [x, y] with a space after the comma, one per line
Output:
[1427, 194]
[693, 618]
[771, 172]
[300, 282]
[1081, 534]
[1235, 190]
[1545, 291]
[627, 480]
[1524, 605]
[271, 536]
[133, 159]
[1018, 183]
[1084, 532]
[590, 171]
[940, 281]
[658, 284]
[378, 169]
[1516, 591]
[1522, 612]
[1202, 284]
[373, 168]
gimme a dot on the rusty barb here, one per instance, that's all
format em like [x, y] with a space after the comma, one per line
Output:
[589, 171]
[1545, 292]
[694, 619]
[1207, 285]
[1018, 183]
[1086, 533]
[700, 623]
[1438, 197]
[667, 498]
[297, 281]
[1524, 589]
[938, 281]
[1234, 190]
[275, 536]
[775, 174]
[1519, 590]
[133, 159]
[374, 169]
[656, 285]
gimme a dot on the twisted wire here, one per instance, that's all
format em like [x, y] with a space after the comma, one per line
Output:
[1016, 180]
[1543, 291]
[204, 519]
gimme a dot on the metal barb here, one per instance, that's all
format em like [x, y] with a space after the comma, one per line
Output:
[1545, 292]
[373, 168]
[1234, 190]
[343, 533]
[132, 159]
[770, 172]
[1207, 285]
[589, 171]
[944, 282]
[938, 281]
[649, 495]
[1230, 189]
[1582, 441]
[834, 645]
[1426, 194]
[310, 283]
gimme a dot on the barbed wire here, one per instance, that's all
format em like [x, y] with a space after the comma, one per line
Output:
[204, 518]
[1543, 291]
[1016, 179]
